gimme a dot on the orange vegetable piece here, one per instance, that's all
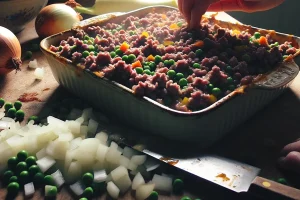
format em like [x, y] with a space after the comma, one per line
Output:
[168, 42]
[150, 58]
[145, 34]
[124, 46]
[136, 64]
[185, 101]
[163, 16]
[212, 98]
[174, 26]
[199, 44]
[236, 32]
[263, 41]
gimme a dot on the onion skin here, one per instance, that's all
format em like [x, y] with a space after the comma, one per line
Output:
[10, 48]
[55, 18]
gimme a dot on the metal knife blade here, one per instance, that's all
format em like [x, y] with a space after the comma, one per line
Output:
[228, 173]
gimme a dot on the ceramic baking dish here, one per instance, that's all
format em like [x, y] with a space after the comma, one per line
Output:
[204, 127]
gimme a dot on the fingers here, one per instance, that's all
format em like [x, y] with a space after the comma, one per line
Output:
[291, 162]
[196, 13]
[187, 6]
[179, 2]
[295, 146]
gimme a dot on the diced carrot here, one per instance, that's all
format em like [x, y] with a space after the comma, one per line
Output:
[136, 64]
[145, 34]
[150, 58]
[174, 26]
[212, 99]
[185, 101]
[236, 32]
[263, 41]
[124, 47]
[199, 44]
[168, 42]
[163, 16]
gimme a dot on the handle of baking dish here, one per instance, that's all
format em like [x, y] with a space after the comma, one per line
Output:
[279, 77]
[97, 18]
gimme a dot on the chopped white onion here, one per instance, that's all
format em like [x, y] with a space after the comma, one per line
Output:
[41, 153]
[87, 114]
[100, 176]
[162, 183]
[2, 114]
[144, 191]
[29, 189]
[92, 127]
[102, 137]
[74, 171]
[118, 173]
[137, 181]
[123, 183]
[4, 124]
[129, 152]
[58, 178]
[138, 159]
[74, 127]
[124, 161]
[33, 64]
[77, 188]
[113, 190]
[39, 73]
[45, 163]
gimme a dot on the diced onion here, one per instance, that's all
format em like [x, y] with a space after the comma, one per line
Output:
[33, 64]
[77, 188]
[45, 163]
[100, 176]
[39, 73]
[29, 189]
[138, 159]
[144, 191]
[137, 181]
[113, 190]
[162, 183]
[58, 178]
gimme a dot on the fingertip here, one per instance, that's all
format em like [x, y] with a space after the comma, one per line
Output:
[196, 14]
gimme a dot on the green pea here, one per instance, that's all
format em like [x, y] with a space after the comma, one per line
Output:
[276, 44]
[117, 47]
[228, 69]
[171, 62]
[13, 188]
[257, 35]
[28, 54]
[7, 175]
[83, 198]
[88, 192]
[185, 198]
[179, 76]
[147, 71]
[8, 106]
[166, 63]
[152, 66]
[199, 52]
[18, 105]
[2, 102]
[119, 52]
[282, 181]
[147, 67]
[20, 115]
[178, 186]
[131, 58]
[38, 179]
[11, 113]
[85, 54]
[34, 118]
[152, 73]
[86, 37]
[246, 58]
[87, 178]
[171, 73]
[24, 177]
[50, 191]
[216, 91]
[157, 59]
[113, 54]
[31, 160]
[48, 180]
[285, 56]
[12, 162]
[22, 155]
[125, 58]
[13, 179]
[21, 166]
[113, 31]
[91, 48]
[153, 196]
[196, 65]
[33, 169]
[229, 80]
[210, 87]
[180, 24]
[60, 48]
[132, 33]
[231, 87]
[139, 70]
[183, 82]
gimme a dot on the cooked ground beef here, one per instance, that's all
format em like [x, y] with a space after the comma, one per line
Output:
[157, 56]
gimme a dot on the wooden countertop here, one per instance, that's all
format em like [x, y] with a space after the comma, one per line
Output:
[256, 142]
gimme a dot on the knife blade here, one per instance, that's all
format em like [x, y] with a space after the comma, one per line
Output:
[231, 174]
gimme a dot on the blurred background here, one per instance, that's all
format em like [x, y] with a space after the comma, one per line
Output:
[282, 18]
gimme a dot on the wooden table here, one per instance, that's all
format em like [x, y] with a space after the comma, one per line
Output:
[256, 142]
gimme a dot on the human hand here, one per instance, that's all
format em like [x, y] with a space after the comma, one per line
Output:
[193, 10]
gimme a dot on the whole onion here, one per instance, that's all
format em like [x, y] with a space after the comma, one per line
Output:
[55, 18]
[10, 51]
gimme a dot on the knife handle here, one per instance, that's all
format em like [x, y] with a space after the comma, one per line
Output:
[268, 189]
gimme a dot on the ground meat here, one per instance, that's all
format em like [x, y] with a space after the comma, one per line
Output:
[172, 63]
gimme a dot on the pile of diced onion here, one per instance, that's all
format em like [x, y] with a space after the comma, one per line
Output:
[75, 147]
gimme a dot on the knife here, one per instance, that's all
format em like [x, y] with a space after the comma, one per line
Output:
[233, 175]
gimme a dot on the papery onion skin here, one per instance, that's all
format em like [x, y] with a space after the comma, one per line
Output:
[55, 18]
[10, 51]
